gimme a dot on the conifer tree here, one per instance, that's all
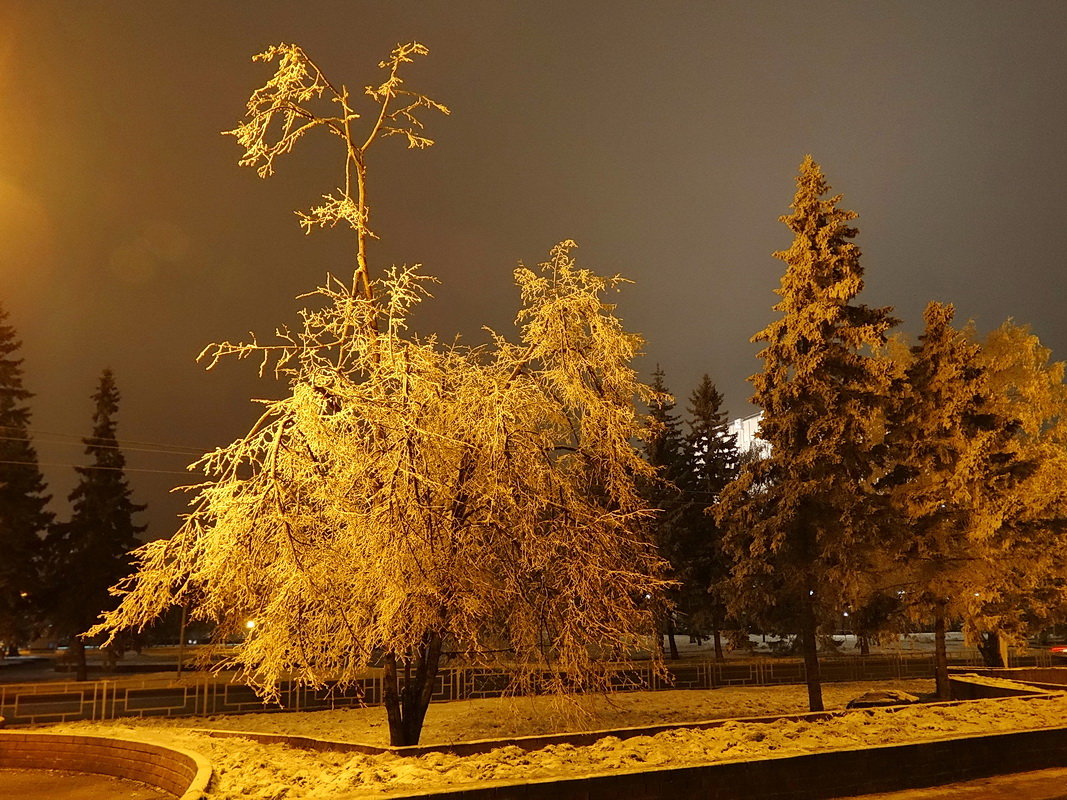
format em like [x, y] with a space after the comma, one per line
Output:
[90, 553]
[714, 462]
[954, 465]
[665, 453]
[802, 522]
[23, 514]
[665, 448]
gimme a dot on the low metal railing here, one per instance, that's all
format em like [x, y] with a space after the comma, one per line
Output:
[198, 694]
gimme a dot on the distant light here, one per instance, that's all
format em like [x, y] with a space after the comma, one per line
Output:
[846, 613]
[250, 624]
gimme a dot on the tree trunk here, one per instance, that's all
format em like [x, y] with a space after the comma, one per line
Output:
[865, 645]
[940, 654]
[716, 633]
[989, 645]
[181, 639]
[810, 646]
[670, 638]
[406, 702]
[81, 668]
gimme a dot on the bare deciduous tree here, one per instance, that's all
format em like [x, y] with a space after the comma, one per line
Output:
[410, 497]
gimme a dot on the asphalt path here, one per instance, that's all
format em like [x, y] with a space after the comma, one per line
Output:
[39, 784]
[1044, 784]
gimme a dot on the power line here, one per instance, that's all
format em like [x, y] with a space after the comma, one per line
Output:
[81, 466]
[102, 446]
[121, 442]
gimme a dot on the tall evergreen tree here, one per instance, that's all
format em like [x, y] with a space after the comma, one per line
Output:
[955, 462]
[89, 554]
[665, 447]
[802, 521]
[23, 514]
[714, 463]
[665, 452]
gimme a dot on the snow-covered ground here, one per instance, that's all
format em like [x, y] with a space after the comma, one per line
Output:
[246, 769]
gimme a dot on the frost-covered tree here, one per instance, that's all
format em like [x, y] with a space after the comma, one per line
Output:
[408, 497]
[90, 553]
[954, 471]
[804, 521]
[1028, 589]
[23, 513]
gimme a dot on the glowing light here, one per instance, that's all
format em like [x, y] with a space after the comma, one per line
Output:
[250, 624]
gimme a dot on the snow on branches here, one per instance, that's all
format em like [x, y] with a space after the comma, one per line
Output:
[410, 498]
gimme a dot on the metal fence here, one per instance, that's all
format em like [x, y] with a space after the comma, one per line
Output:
[202, 694]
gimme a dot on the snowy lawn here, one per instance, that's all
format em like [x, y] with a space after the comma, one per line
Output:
[246, 769]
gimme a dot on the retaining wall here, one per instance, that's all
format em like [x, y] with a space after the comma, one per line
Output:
[840, 773]
[181, 773]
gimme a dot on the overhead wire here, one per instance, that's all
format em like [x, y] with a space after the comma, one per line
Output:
[122, 447]
[158, 448]
[92, 466]
[122, 443]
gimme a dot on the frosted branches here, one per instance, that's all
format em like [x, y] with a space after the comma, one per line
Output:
[484, 494]
[408, 497]
[281, 111]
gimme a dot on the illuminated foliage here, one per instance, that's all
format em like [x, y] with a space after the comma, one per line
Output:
[1026, 589]
[955, 468]
[280, 112]
[410, 498]
[803, 521]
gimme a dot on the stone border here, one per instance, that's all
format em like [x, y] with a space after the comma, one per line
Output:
[184, 774]
[813, 776]
[983, 686]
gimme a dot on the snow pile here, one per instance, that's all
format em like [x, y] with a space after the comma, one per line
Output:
[246, 769]
[497, 718]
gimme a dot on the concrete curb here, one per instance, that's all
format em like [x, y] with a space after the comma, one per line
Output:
[185, 774]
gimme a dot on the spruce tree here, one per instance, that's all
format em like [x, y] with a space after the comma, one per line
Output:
[665, 452]
[90, 553]
[714, 463]
[954, 462]
[803, 521]
[23, 515]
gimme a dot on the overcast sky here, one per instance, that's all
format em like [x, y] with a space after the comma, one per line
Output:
[663, 137]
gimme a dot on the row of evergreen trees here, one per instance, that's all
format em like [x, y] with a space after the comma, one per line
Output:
[902, 484]
[55, 575]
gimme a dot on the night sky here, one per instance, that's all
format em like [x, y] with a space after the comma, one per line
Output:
[663, 137]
